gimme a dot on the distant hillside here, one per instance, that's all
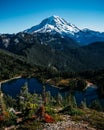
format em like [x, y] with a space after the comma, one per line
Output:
[72, 59]
[11, 65]
[54, 51]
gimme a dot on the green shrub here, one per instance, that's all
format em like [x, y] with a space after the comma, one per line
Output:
[71, 111]
[34, 125]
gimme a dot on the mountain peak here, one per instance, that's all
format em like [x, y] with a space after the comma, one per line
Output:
[54, 17]
[54, 24]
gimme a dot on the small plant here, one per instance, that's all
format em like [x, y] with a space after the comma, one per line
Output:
[49, 110]
[71, 111]
[96, 105]
[96, 119]
[34, 125]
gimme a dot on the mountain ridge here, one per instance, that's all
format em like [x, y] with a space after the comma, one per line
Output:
[58, 54]
[56, 50]
[56, 24]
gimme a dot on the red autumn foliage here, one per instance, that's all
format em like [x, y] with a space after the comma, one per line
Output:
[42, 115]
[48, 118]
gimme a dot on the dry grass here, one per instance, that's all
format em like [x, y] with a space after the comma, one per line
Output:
[93, 118]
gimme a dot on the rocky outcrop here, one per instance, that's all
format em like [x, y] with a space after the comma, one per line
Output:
[67, 125]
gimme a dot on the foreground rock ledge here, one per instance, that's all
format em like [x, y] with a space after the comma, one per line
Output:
[67, 125]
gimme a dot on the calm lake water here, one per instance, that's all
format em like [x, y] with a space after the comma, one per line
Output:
[13, 88]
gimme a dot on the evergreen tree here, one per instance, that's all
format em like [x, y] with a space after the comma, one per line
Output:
[96, 105]
[59, 99]
[81, 85]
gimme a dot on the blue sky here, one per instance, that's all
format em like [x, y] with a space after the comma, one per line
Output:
[18, 15]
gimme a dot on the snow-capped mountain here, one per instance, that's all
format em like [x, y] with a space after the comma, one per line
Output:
[55, 43]
[57, 25]
[54, 24]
